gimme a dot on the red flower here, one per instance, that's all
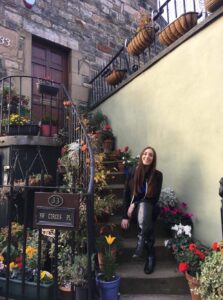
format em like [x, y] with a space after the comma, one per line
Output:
[18, 259]
[19, 265]
[126, 148]
[215, 246]
[192, 247]
[200, 254]
[183, 266]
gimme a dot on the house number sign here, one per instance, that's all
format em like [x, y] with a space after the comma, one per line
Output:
[56, 210]
[5, 41]
[9, 40]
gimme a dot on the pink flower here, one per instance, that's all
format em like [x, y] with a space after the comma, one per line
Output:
[184, 205]
[107, 127]
[188, 215]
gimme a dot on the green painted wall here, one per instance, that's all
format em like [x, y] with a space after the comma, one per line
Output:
[177, 107]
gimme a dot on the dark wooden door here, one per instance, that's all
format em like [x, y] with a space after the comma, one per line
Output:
[49, 61]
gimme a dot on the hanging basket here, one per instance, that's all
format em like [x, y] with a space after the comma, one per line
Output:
[178, 28]
[115, 77]
[212, 5]
[143, 39]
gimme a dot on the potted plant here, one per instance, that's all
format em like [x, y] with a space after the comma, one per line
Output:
[190, 260]
[35, 179]
[211, 275]
[103, 230]
[47, 86]
[144, 36]
[15, 264]
[107, 139]
[108, 281]
[48, 126]
[97, 120]
[172, 215]
[15, 124]
[79, 271]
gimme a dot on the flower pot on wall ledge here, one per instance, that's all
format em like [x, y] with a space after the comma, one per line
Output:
[178, 28]
[143, 39]
[212, 5]
[44, 88]
[115, 77]
[26, 129]
[15, 289]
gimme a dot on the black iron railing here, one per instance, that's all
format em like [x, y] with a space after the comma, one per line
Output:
[31, 100]
[125, 60]
[16, 190]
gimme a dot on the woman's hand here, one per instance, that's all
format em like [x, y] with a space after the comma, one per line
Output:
[125, 223]
[130, 210]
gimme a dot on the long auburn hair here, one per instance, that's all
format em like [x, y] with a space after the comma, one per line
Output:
[143, 171]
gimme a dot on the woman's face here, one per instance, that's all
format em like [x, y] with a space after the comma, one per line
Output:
[147, 157]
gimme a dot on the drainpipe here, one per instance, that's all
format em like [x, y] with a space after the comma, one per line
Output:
[221, 194]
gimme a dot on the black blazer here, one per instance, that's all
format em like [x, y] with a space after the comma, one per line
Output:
[128, 191]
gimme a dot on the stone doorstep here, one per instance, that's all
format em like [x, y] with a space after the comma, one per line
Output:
[161, 286]
[155, 297]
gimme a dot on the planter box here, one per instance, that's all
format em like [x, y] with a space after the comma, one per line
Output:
[22, 130]
[30, 293]
[44, 88]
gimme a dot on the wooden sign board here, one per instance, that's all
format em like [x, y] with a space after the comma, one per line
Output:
[56, 210]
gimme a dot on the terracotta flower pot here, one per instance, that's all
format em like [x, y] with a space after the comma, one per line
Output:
[178, 28]
[193, 283]
[107, 146]
[212, 5]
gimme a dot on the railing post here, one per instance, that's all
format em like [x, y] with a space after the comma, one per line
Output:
[91, 245]
[221, 194]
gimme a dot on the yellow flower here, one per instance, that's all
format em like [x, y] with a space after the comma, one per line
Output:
[12, 265]
[46, 274]
[30, 251]
[1, 258]
[110, 239]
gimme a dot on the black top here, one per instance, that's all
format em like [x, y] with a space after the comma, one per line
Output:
[128, 191]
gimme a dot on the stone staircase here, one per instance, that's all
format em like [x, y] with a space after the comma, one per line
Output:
[165, 282]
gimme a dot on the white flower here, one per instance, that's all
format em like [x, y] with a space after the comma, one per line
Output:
[73, 146]
[181, 229]
[168, 198]
[166, 242]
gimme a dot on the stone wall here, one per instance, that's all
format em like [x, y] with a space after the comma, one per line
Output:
[94, 28]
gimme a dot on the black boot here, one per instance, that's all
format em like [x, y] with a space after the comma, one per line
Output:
[139, 248]
[149, 265]
[150, 262]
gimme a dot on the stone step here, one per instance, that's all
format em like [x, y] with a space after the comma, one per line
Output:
[129, 245]
[116, 189]
[115, 178]
[164, 280]
[111, 165]
[155, 297]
